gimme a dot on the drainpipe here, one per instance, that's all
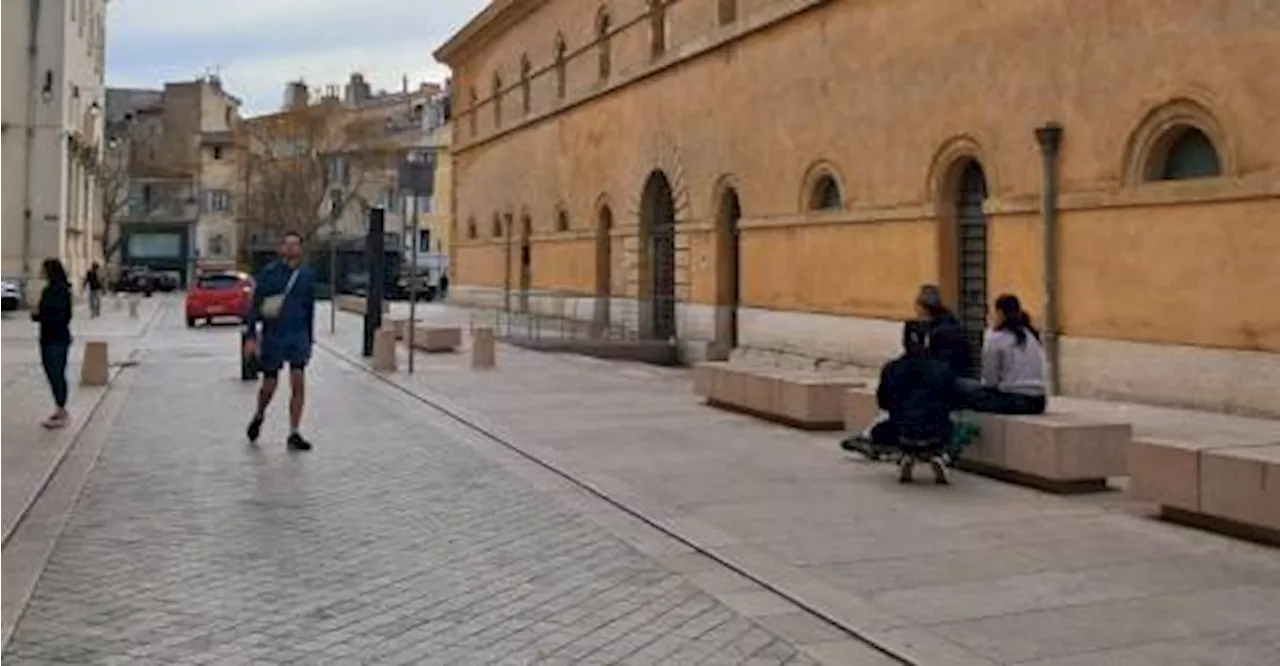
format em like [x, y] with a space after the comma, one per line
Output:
[33, 74]
[1050, 139]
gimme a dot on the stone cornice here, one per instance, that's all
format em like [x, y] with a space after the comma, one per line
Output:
[491, 22]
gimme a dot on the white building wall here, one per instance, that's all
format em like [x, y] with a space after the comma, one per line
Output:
[50, 198]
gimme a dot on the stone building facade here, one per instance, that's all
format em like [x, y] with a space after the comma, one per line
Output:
[782, 175]
[53, 136]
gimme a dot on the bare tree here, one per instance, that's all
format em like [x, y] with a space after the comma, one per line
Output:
[304, 168]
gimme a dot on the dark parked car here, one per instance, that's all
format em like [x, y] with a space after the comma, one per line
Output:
[137, 279]
[12, 296]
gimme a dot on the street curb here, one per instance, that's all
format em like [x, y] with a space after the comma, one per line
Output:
[477, 424]
[37, 538]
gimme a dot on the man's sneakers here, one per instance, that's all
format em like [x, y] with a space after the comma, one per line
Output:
[254, 429]
[297, 443]
[862, 445]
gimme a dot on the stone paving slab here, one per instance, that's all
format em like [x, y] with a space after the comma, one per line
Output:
[981, 572]
[393, 542]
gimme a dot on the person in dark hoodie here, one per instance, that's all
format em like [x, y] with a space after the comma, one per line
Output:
[918, 391]
[947, 341]
[54, 316]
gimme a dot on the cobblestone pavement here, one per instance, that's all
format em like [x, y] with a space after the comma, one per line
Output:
[393, 542]
[978, 573]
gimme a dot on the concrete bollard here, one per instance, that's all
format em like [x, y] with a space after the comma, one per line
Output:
[482, 349]
[94, 368]
[117, 303]
[384, 350]
[401, 327]
[133, 306]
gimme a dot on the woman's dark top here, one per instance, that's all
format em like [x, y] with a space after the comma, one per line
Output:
[54, 314]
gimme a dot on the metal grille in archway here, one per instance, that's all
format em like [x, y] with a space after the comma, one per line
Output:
[660, 209]
[972, 223]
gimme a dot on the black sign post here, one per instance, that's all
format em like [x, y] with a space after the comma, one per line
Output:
[375, 259]
[417, 179]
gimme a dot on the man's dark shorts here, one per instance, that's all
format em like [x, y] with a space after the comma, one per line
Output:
[276, 351]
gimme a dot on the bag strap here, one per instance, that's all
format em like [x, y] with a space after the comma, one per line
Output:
[289, 287]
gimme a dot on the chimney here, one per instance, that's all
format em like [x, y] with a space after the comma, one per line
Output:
[295, 95]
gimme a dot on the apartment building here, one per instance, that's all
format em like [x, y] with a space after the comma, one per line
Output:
[180, 210]
[52, 135]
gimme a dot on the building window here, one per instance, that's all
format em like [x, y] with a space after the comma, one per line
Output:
[472, 231]
[561, 66]
[526, 93]
[473, 112]
[217, 152]
[826, 194]
[218, 201]
[602, 37]
[657, 28]
[218, 246]
[728, 11]
[1183, 153]
[497, 226]
[562, 220]
[497, 100]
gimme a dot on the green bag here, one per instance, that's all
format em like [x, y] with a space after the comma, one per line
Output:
[962, 435]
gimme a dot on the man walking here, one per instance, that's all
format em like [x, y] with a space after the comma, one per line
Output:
[284, 300]
[95, 285]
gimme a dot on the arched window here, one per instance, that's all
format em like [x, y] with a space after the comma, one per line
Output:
[474, 112]
[561, 73]
[526, 92]
[497, 100]
[728, 10]
[526, 226]
[472, 231]
[1183, 153]
[602, 36]
[825, 194]
[657, 28]
[562, 220]
[497, 226]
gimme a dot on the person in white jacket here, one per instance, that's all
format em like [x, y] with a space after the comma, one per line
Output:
[1013, 364]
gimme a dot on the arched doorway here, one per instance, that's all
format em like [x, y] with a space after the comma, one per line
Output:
[728, 272]
[526, 261]
[658, 266]
[604, 267]
[971, 254]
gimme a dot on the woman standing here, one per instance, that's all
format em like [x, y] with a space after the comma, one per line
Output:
[54, 317]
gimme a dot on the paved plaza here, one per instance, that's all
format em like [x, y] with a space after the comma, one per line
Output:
[559, 510]
[405, 538]
[978, 573]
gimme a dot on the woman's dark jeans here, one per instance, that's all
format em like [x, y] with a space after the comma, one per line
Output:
[53, 355]
[995, 401]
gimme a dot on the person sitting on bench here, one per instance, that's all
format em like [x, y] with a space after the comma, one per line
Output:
[1013, 364]
[918, 391]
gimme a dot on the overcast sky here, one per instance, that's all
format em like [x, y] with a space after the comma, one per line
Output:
[258, 45]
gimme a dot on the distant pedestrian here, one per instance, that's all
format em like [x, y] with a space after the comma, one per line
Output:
[284, 301]
[95, 285]
[54, 316]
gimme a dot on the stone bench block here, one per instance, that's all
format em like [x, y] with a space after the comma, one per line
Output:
[804, 399]
[433, 339]
[1056, 452]
[1242, 484]
[860, 409]
[95, 367]
[1166, 471]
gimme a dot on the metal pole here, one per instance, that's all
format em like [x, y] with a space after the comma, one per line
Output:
[333, 281]
[413, 276]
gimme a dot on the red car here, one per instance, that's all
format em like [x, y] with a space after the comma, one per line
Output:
[219, 295]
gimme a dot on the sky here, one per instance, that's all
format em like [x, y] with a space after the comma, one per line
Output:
[256, 46]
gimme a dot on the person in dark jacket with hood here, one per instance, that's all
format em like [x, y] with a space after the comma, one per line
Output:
[947, 341]
[918, 391]
[54, 316]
